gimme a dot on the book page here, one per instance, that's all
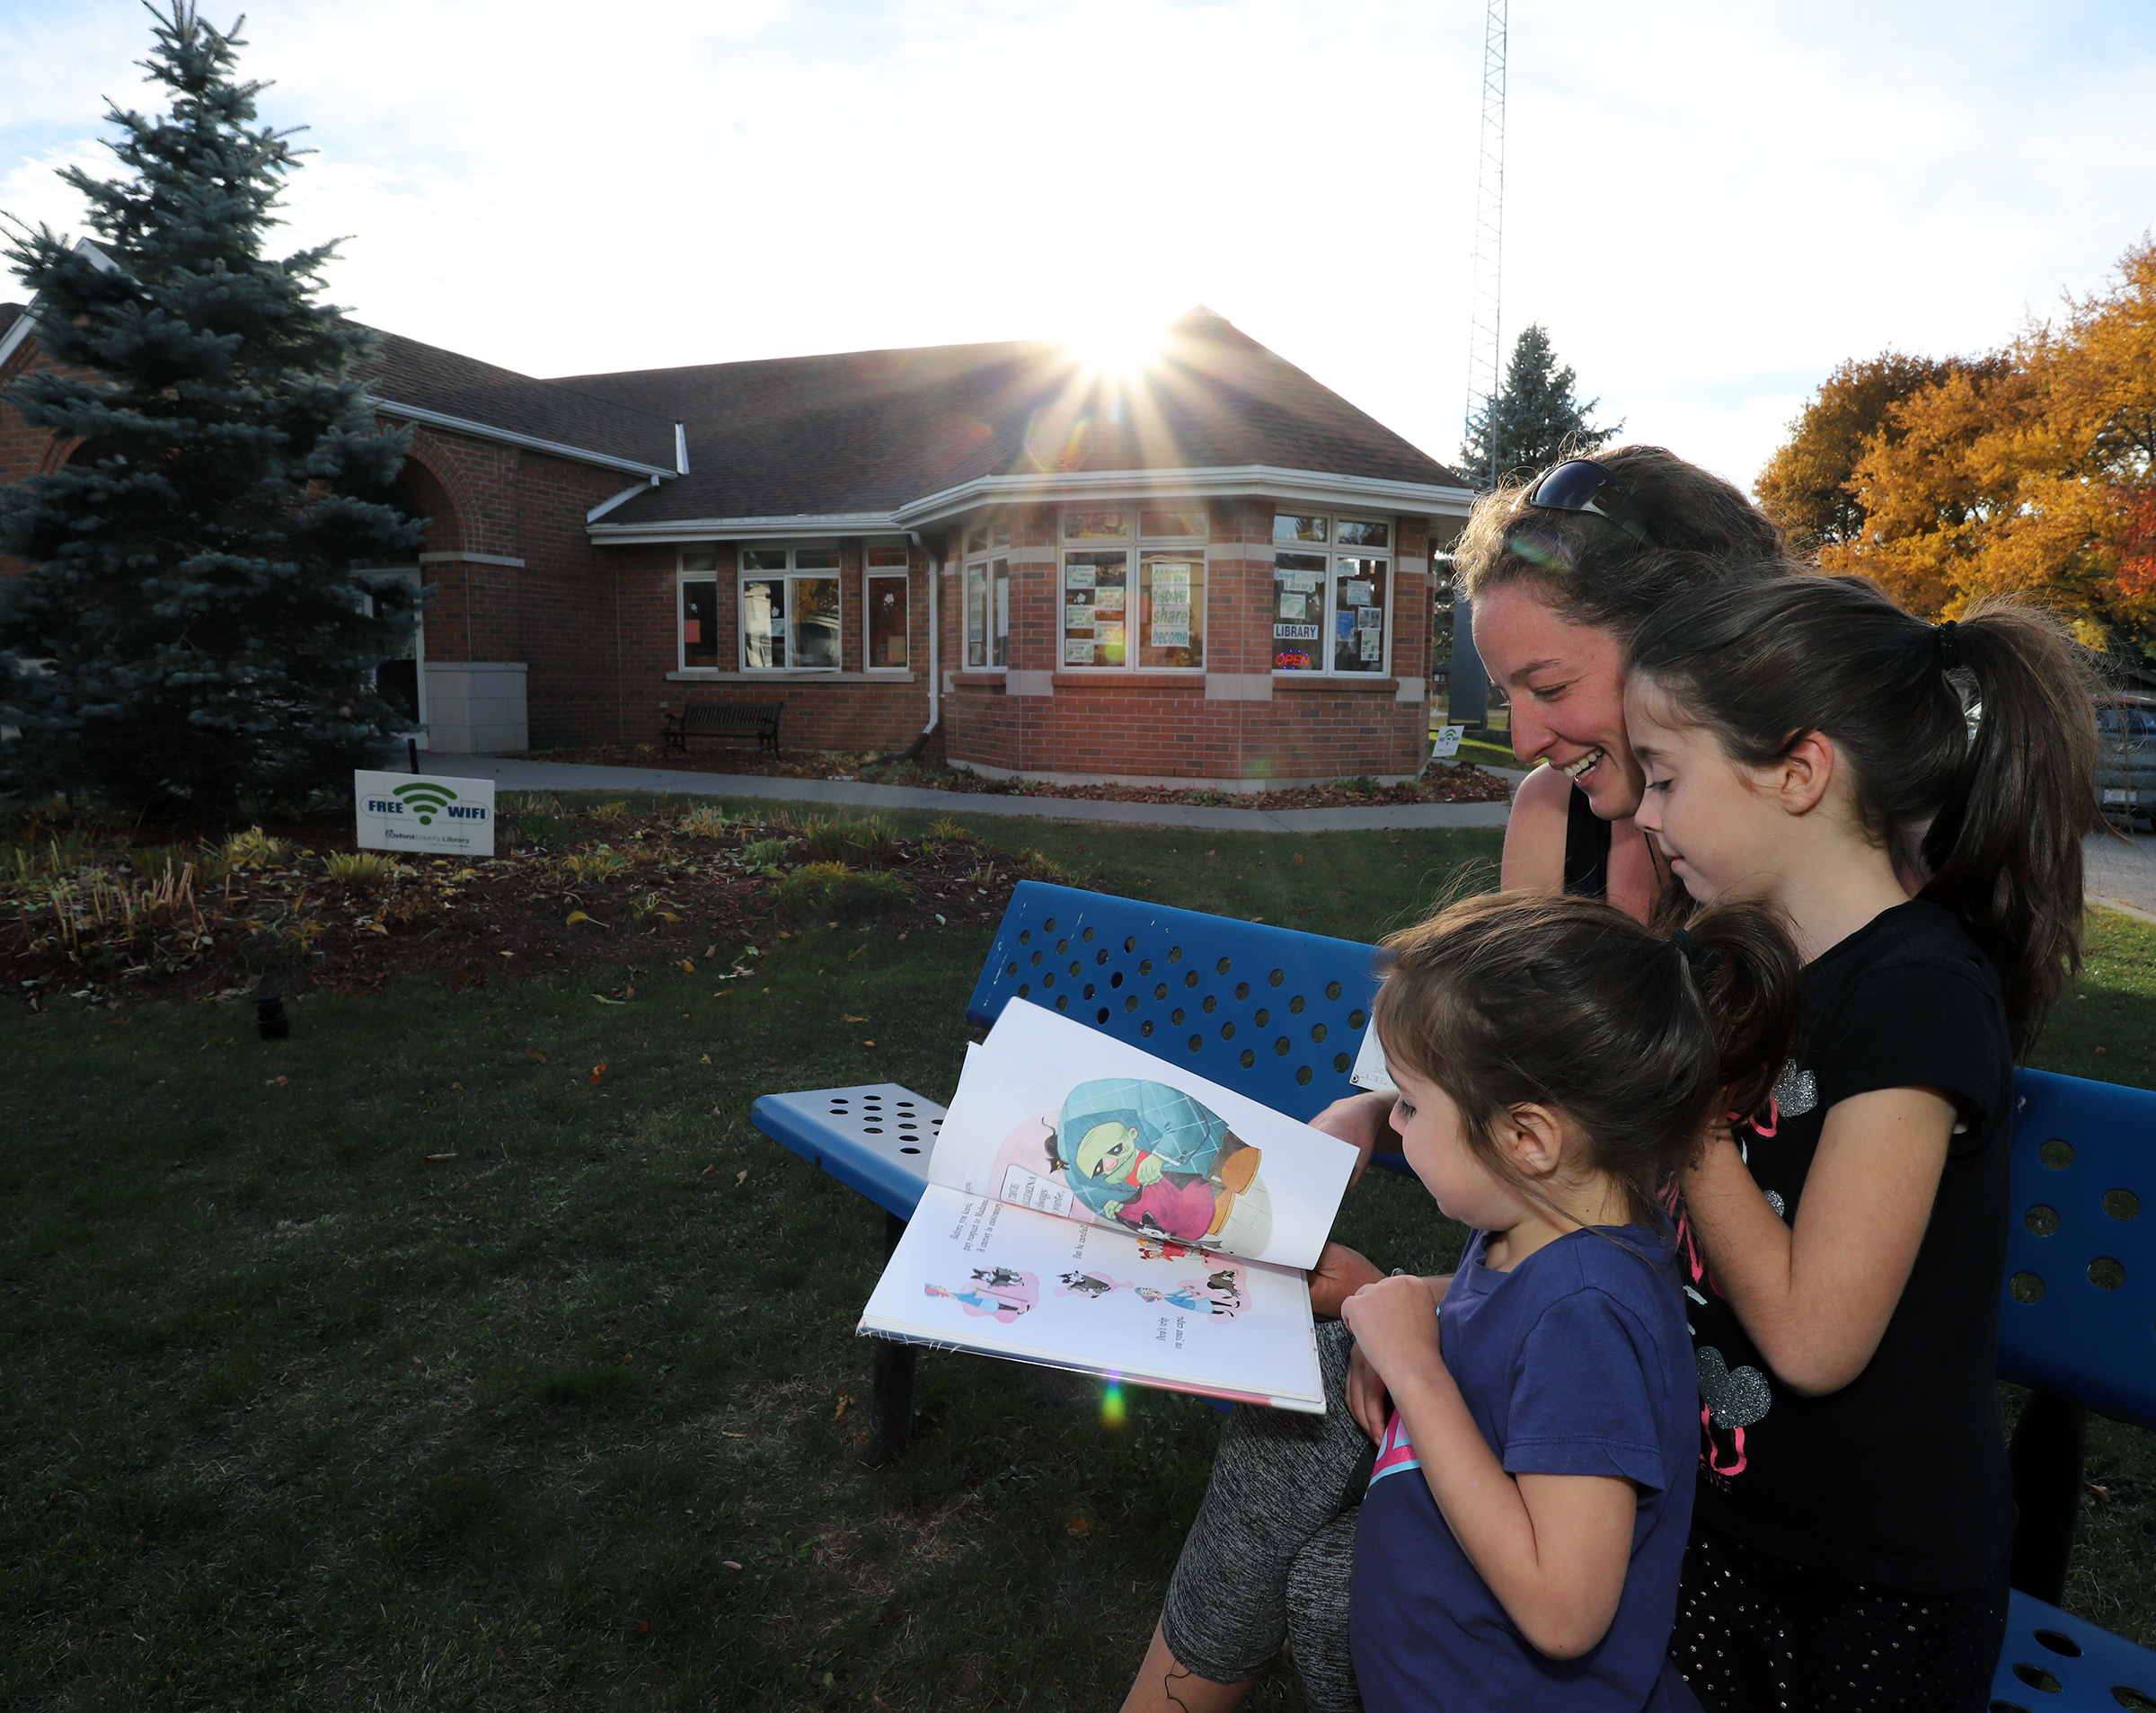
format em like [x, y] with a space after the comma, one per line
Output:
[1054, 1116]
[975, 1274]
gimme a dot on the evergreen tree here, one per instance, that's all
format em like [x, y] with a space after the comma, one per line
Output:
[1539, 419]
[192, 629]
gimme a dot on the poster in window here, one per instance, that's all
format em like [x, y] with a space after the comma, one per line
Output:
[1372, 644]
[1344, 624]
[1169, 576]
[1369, 618]
[1078, 577]
[1296, 633]
[1304, 582]
[1077, 618]
[1106, 599]
[1109, 633]
[1293, 606]
[1077, 651]
[1355, 591]
[1172, 634]
[692, 631]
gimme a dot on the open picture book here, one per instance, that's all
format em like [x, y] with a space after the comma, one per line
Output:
[1092, 1207]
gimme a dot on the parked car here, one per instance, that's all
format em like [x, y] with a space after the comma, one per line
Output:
[2126, 758]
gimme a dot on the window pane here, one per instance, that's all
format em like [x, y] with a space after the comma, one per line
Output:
[1286, 528]
[814, 620]
[1095, 525]
[999, 534]
[1171, 595]
[977, 616]
[1154, 523]
[976, 538]
[1298, 611]
[763, 558]
[1359, 615]
[699, 561]
[816, 559]
[999, 575]
[699, 624]
[1094, 608]
[888, 554]
[887, 621]
[1354, 533]
[762, 624]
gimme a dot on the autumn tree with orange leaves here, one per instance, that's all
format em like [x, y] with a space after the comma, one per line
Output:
[2032, 469]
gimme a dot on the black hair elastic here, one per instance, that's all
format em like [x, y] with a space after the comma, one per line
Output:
[1950, 651]
[1696, 955]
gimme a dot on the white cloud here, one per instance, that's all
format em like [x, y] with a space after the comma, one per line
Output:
[1698, 193]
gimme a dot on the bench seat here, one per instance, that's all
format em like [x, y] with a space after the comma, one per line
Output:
[755, 721]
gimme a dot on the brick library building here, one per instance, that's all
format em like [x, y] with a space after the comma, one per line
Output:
[1205, 569]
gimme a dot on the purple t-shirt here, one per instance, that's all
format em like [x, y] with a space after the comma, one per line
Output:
[1575, 1362]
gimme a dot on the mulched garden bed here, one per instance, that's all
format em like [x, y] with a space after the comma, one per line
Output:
[1462, 785]
[104, 920]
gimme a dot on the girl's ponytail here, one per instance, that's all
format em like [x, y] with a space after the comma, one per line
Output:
[2005, 848]
[1971, 745]
[1752, 981]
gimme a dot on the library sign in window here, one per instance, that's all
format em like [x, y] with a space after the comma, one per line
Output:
[988, 597]
[1331, 593]
[790, 609]
[884, 601]
[1138, 605]
[699, 611]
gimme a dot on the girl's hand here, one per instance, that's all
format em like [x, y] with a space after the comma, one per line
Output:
[1340, 1273]
[1368, 1402]
[1395, 1325]
[1362, 1121]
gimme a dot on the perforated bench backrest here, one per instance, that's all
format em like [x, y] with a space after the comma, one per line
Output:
[1127, 967]
[2078, 1315]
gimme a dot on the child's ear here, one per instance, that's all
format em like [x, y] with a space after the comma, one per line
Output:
[1802, 777]
[1533, 1138]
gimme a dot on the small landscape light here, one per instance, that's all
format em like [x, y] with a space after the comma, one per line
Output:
[270, 1017]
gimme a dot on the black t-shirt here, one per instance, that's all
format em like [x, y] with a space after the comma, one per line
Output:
[1899, 1478]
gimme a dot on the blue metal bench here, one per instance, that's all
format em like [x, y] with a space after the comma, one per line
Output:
[1193, 988]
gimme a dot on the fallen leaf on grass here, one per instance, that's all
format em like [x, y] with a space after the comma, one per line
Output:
[707, 1170]
[868, 1044]
[687, 967]
[274, 1081]
[575, 916]
[850, 1017]
[855, 953]
[707, 1058]
[605, 1001]
[534, 1053]
[643, 1625]
[598, 1071]
[728, 1433]
[729, 1563]
[506, 954]
[741, 1177]
[1078, 1525]
[845, 1400]
[433, 1160]
[457, 1086]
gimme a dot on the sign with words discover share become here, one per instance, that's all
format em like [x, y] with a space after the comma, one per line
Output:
[417, 812]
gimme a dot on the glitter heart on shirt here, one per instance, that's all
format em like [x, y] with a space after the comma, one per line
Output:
[1733, 1399]
[1796, 1092]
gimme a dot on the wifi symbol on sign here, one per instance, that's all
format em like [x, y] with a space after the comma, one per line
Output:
[427, 797]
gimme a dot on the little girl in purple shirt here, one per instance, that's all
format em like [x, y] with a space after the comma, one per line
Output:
[1524, 1532]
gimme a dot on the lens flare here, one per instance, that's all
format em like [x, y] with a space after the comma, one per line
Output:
[1118, 345]
[1111, 1405]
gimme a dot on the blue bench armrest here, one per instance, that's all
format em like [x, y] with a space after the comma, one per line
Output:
[874, 1137]
[2062, 1665]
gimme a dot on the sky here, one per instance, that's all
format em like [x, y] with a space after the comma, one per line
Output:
[1708, 205]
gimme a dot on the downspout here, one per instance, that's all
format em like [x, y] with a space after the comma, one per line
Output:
[935, 668]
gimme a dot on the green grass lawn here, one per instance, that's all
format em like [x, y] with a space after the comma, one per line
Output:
[294, 1418]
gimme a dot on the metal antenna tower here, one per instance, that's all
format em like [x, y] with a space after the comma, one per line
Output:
[1484, 365]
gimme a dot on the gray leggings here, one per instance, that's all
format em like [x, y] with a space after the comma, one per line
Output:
[1268, 1558]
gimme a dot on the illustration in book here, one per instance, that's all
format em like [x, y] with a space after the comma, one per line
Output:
[999, 1291]
[1144, 1157]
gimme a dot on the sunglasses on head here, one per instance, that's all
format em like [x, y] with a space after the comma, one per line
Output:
[1580, 484]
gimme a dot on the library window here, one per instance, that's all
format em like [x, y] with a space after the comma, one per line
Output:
[699, 579]
[1140, 606]
[1331, 593]
[988, 614]
[789, 609]
[885, 604]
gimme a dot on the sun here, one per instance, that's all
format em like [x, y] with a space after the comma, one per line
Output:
[1118, 345]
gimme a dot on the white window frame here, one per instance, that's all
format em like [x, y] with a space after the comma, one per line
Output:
[794, 572]
[996, 610]
[1134, 545]
[683, 576]
[870, 576]
[1330, 551]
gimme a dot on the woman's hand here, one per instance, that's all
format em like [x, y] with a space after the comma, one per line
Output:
[1368, 1402]
[1359, 1120]
[1395, 1325]
[1340, 1273]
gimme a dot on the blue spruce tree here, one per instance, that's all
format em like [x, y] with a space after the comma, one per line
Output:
[1535, 420]
[193, 631]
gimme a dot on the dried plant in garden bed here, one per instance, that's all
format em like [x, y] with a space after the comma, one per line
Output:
[1462, 785]
[84, 915]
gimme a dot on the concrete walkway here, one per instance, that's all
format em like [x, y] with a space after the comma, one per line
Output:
[2122, 872]
[513, 774]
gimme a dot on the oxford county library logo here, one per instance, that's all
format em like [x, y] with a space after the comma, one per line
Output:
[401, 812]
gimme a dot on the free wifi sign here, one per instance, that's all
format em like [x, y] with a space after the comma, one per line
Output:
[409, 812]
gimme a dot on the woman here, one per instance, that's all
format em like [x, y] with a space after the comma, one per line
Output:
[1560, 573]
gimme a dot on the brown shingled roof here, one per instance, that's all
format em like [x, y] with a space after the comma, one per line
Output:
[406, 372]
[9, 314]
[870, 431]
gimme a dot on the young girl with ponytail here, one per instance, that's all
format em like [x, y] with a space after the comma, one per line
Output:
[1520, 1541]
[1912, 799]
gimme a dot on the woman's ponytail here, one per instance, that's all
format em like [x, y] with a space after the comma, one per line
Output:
[1751, 980]
[2005, 850]
[1971, 745]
